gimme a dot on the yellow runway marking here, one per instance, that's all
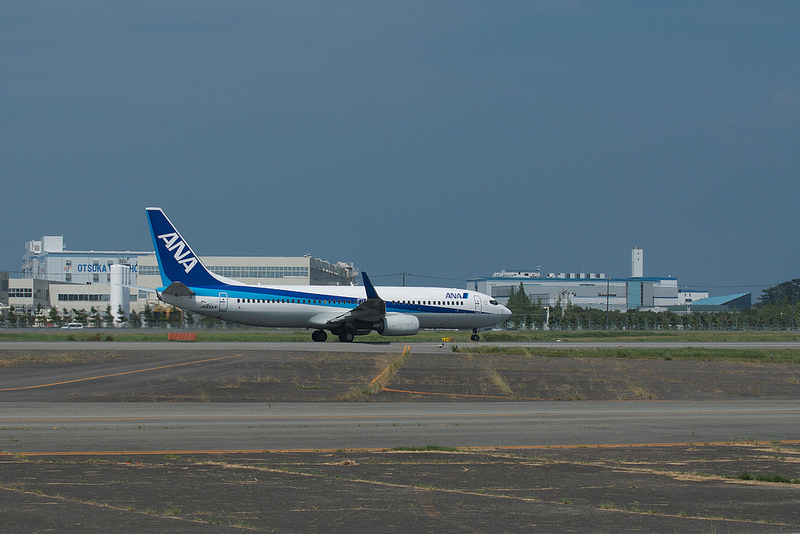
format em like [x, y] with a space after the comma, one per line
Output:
[458, 395]
[120, 374]
[405, 354]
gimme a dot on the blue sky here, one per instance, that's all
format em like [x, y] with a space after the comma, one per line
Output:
[444, 139]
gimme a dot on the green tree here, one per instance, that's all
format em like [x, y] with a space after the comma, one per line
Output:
[122, 318]
[518, 301]
[149, 320]
[81, 316]
[785, 293]
[108, 317]
[175, 317]
[778, 306]
[525, 311]
[95, 317]
[53, 317]
[134, 319]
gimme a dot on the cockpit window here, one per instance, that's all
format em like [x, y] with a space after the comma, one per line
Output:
[493, 302]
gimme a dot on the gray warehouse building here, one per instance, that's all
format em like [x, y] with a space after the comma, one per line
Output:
[580, 290]
[587, 290]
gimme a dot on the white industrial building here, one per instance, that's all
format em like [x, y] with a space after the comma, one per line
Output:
[587, 290]
[48, 259]
[55, 277]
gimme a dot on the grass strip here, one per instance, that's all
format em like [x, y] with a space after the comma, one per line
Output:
[290, 335]
[686, 353]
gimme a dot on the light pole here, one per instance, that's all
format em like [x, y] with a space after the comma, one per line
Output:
[607, 294]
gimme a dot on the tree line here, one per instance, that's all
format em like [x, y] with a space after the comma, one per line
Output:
[778, 309]
[149, 318]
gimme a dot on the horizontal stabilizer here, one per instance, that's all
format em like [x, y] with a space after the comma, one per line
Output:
[141, 288]
[177, 289]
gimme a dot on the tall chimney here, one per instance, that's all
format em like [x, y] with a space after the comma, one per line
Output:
[637, 263]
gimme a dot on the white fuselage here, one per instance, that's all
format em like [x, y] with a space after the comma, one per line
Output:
[296, 306]
[345, 311]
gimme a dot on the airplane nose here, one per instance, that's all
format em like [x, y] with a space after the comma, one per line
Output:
[505, 313]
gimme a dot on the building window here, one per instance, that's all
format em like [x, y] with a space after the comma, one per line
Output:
[258, 272]
[72, 297]
[148, 270]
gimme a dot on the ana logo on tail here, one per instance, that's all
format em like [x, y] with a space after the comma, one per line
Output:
[183, 254]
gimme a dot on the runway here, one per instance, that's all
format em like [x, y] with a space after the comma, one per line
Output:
[154, 437]
[67, 428]
[57, 407]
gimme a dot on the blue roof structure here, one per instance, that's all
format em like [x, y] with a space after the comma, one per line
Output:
[738, 300]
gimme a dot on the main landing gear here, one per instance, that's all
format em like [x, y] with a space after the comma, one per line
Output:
[319, 335]
[475, 336]
[345, 336]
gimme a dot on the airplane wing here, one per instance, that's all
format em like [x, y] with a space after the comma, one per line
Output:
[372, 309]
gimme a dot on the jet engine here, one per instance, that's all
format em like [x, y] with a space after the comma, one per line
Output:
[397, 325]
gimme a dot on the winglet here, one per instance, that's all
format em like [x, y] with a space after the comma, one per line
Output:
[371, 293]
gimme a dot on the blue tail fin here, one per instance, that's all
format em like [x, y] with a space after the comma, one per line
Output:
[176, 260]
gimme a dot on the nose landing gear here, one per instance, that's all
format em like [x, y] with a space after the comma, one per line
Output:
[475, 336]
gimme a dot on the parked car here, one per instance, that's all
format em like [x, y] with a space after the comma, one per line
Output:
[72, 326]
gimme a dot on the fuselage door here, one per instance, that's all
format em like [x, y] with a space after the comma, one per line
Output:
[477, 304]
[223, 302]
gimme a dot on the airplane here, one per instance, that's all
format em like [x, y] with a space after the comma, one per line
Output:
[344, 311]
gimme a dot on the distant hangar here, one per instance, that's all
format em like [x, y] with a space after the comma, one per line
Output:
[596, 290]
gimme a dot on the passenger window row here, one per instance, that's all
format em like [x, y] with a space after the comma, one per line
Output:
[347, 301]
[298, 301]
[430, 302]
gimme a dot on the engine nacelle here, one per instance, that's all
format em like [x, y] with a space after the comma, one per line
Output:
[397, 325]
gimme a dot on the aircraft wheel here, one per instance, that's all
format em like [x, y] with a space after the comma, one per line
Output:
[319, 335]
[475, 337]
[347, 336]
